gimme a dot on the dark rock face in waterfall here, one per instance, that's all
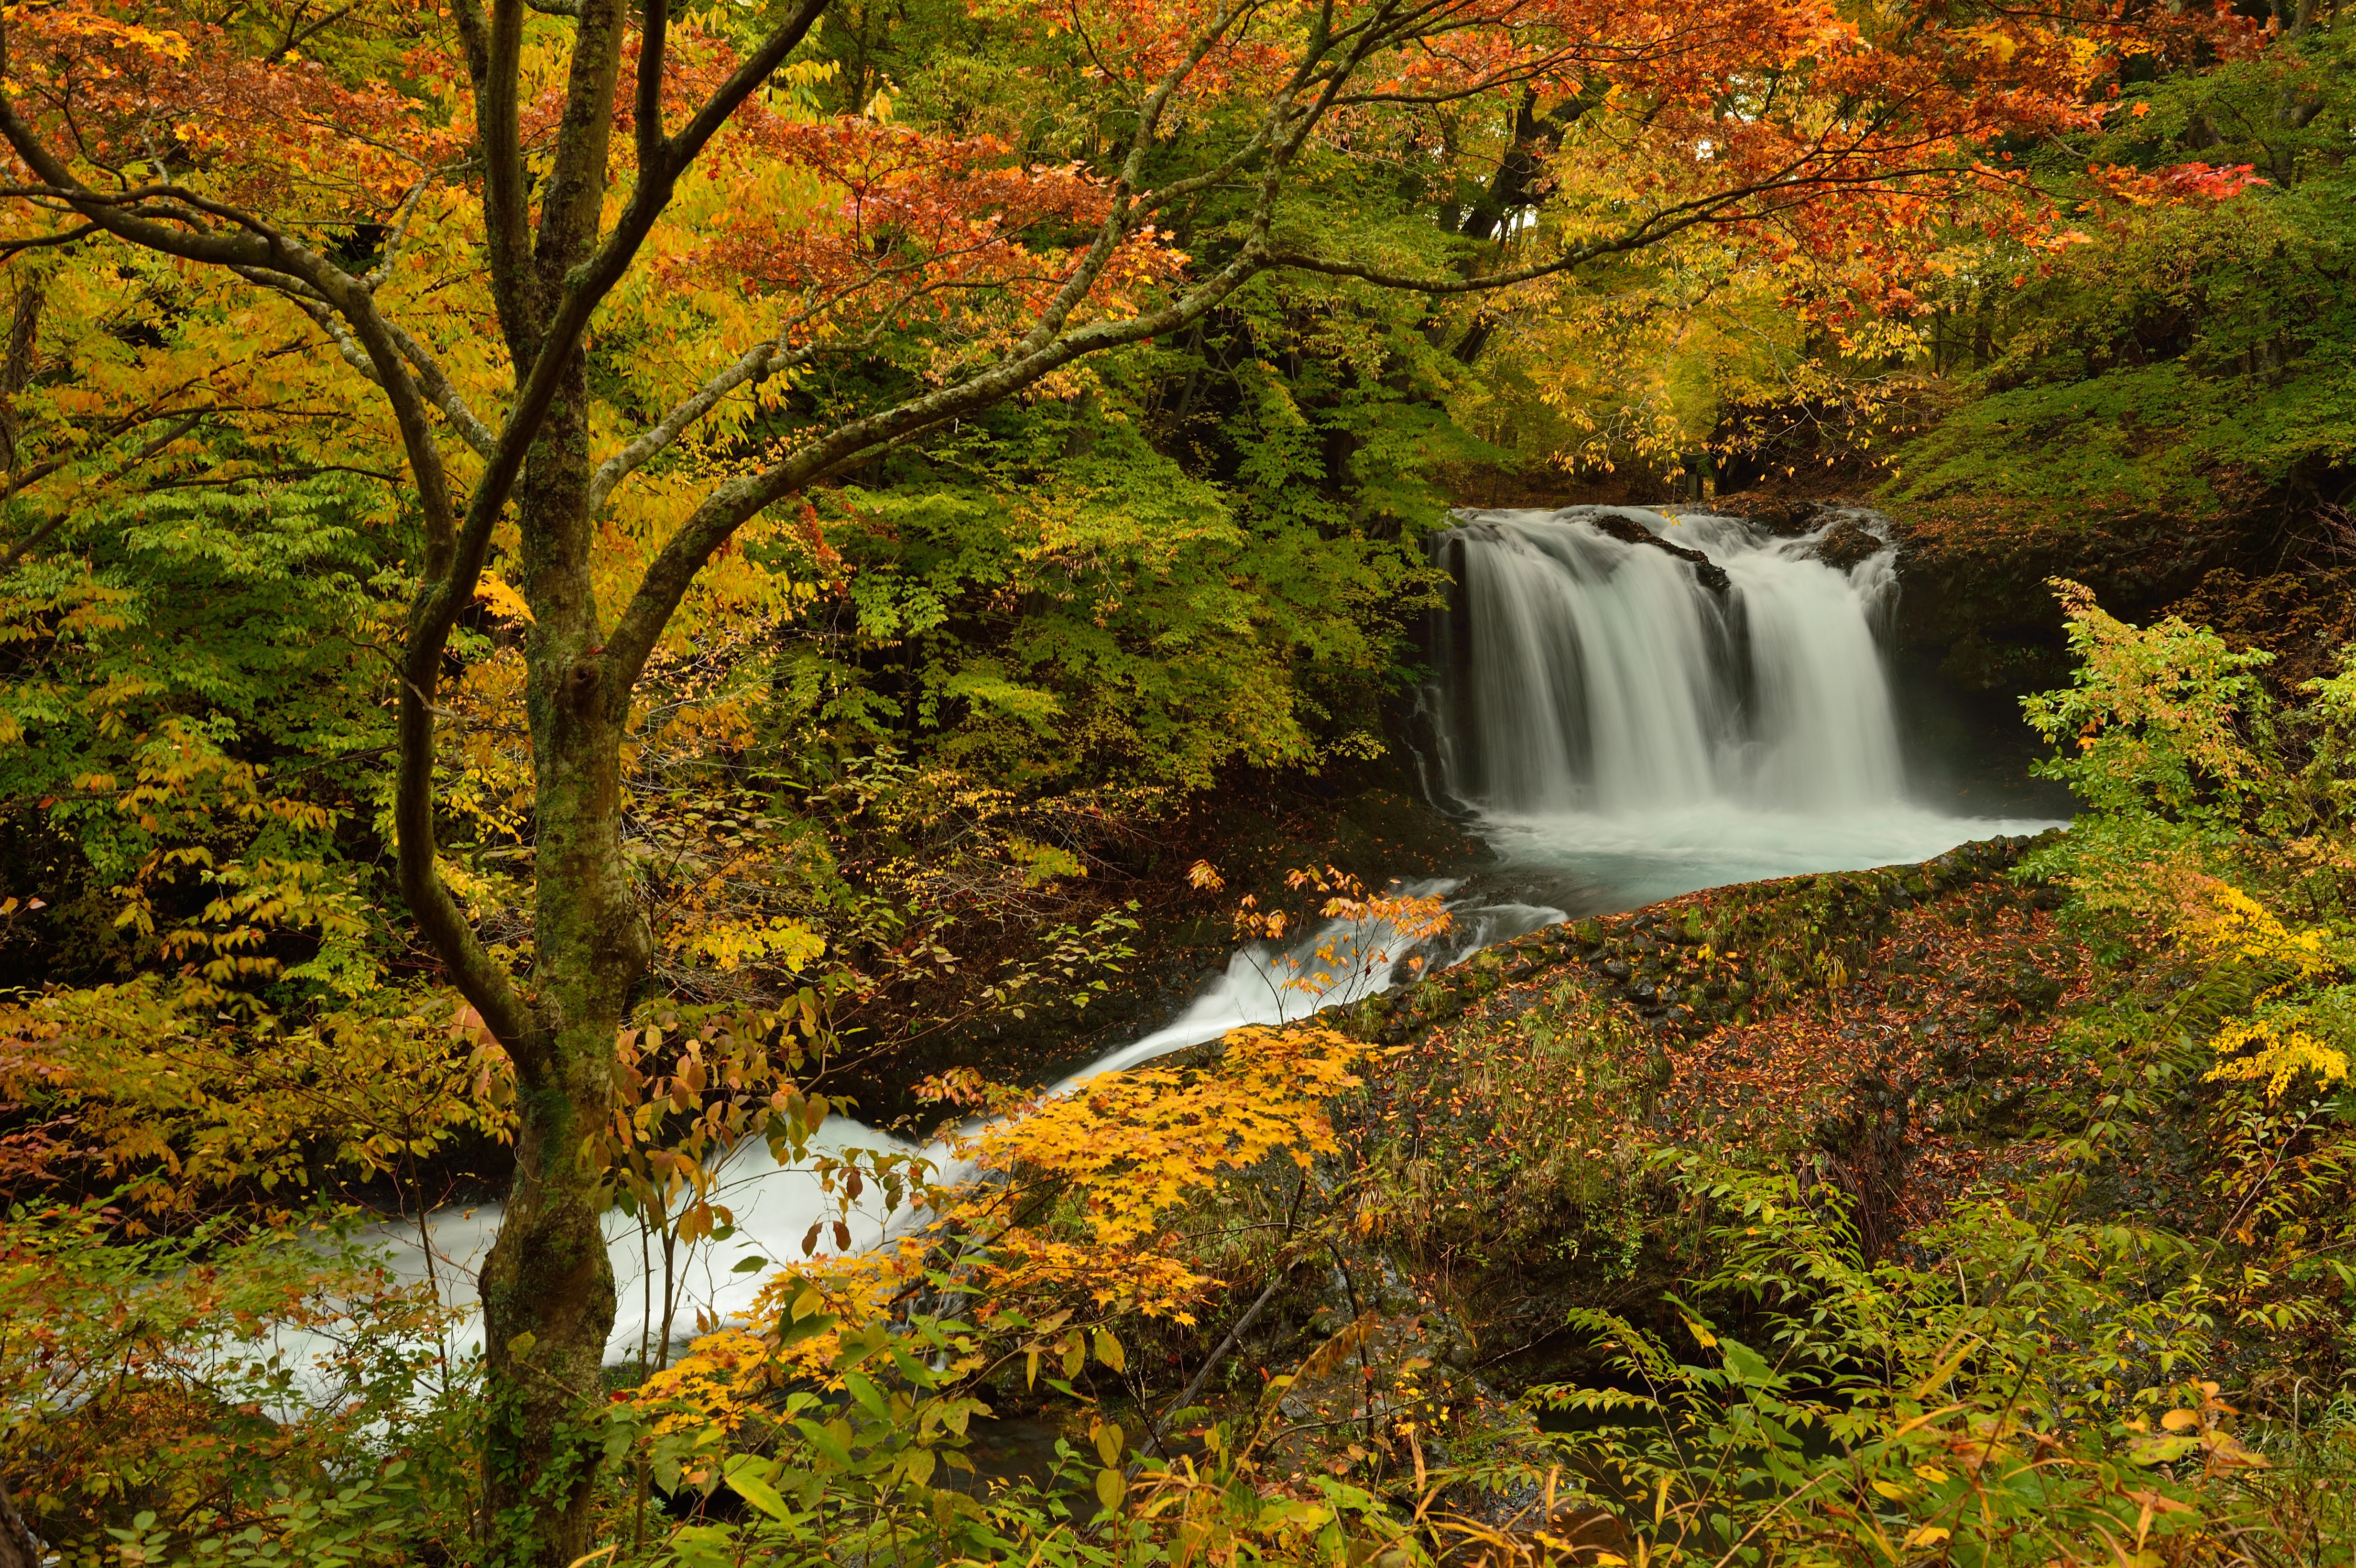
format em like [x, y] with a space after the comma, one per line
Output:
[1628, 530]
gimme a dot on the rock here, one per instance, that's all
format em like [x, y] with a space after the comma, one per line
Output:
[1628, 530]
[1791, 520]
[1848, 544]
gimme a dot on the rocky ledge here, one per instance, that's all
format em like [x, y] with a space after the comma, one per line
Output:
[1723, 955]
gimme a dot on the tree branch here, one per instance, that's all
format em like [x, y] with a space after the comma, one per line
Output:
[41, 531]
[756, 363]
[374, 279]
[654, 28]
[586, 287]
[732, 504]
[494, 49]
[1119, 211]
[436, 385]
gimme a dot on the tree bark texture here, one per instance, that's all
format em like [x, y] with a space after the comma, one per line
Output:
[18, 1547]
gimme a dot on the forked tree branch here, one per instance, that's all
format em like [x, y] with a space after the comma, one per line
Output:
[756, 363]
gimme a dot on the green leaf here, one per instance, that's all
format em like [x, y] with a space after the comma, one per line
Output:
[1747, 1364]
[748, 1478]
[828, 1442]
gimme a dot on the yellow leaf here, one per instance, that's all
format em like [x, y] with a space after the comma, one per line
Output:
[494, 591]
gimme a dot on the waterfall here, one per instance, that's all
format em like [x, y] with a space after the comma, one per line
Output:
[1623, 723]
[1651, 703]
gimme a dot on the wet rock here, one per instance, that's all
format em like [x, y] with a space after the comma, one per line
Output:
[1848, 544]
[1791, 519]
[1628, 530]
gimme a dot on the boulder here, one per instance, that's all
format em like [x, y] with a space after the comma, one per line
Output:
[1791, 519]
[1628, 530]
[1849, 543]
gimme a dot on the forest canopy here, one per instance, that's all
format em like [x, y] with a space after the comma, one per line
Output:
[583, 587]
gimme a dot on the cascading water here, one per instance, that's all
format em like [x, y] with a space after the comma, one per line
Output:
[775, 1206]
[1610, 713]
[1616, 717]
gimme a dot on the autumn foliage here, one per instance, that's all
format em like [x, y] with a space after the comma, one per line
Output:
[491, 715]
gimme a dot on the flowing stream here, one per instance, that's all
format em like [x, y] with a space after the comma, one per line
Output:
[775, 1206]
[1616, 727]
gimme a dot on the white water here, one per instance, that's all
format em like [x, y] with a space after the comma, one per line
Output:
[1606, 717]
[1611, 724]
[773, 1207]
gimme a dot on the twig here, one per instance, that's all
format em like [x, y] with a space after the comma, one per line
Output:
[1251, 1314]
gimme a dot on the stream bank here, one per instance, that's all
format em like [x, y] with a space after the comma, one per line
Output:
[1886, 1033]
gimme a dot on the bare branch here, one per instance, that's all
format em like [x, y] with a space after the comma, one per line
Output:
[436, 385]
[761, 360]
[432, 381]
[62, 236]
[398, 229]
[309, 301]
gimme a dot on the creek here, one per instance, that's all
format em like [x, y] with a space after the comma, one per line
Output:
[1626, 705]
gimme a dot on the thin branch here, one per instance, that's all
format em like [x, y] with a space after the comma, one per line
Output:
[1669, 221]
[729, 504]
[374, 279]
[308, 301]
[41, 531]
[761, 360]
[437, 386]
[63, 237]
[1235, 1336]
[1118, 221]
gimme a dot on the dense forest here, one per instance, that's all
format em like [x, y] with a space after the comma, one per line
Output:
[1357, 781]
